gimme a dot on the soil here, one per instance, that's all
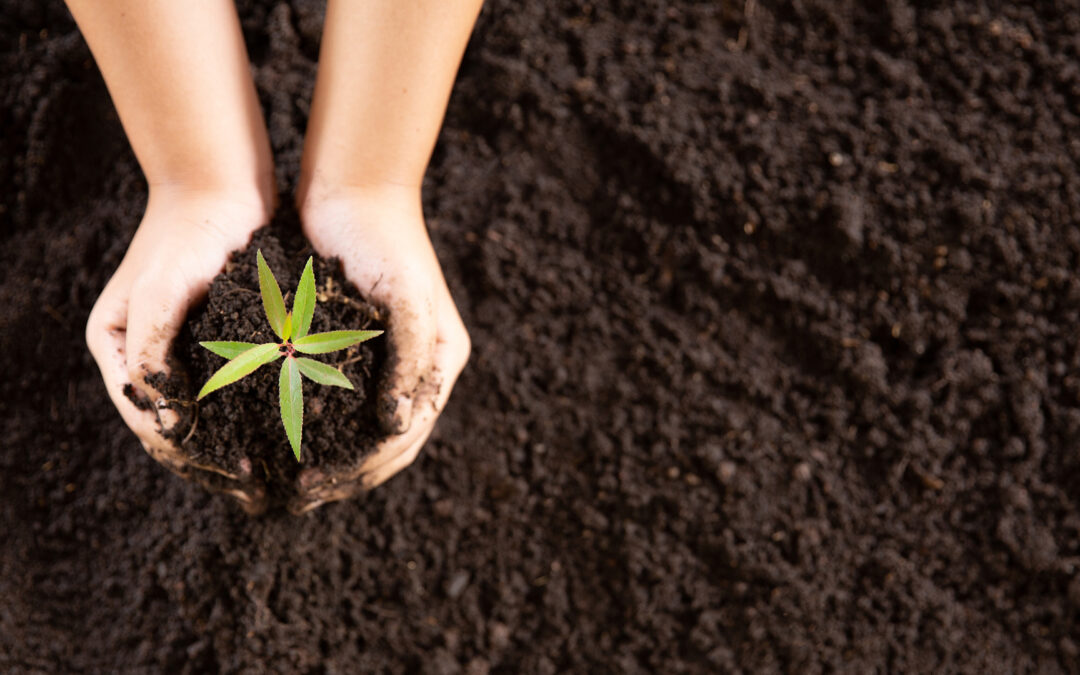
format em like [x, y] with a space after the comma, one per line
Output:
[775, 323]
[241, 423]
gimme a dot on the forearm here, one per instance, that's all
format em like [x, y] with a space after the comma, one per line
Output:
[385, 75]
[178, 75]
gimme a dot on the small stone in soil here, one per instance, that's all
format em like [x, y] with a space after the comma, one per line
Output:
[802, 472]
[456, 586]
[726, 472]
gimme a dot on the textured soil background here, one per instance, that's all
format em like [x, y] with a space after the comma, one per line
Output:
[776, 362]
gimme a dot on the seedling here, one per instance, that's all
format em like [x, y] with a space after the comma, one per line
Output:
[292, 327]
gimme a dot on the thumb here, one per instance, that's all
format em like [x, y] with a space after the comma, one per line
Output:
[156, 312]
[412, 334]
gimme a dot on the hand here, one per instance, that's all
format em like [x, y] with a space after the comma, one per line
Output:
[382, 241]
[182, 243]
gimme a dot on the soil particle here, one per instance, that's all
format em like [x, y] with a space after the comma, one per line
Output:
[660, 267]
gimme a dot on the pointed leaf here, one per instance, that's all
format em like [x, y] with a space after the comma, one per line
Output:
[303, 305]
[291, 396]
[323, 373]
[242, 365]
[286, 332]
[229, 350]
[273, 303]
[322, 343]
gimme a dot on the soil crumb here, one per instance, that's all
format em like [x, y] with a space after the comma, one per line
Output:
[775, 319]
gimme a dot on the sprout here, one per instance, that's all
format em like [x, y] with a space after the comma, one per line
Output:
[292, 327]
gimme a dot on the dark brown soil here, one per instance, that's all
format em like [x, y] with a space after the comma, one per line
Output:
[775, 369]
[242, 422]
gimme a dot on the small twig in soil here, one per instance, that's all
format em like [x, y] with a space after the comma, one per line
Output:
[178, 401]
[239, 289]
[358, 357]
[51, 311]
[193, 426]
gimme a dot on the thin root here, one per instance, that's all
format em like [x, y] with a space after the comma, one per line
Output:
[194, 424]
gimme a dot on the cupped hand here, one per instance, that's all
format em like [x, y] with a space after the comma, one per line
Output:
[382, 241]
[182, 243]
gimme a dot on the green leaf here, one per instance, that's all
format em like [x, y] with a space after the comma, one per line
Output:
[322, 343]
[323, 373]
[291, 394]
[229, 350]
[273, 303]
[287, 330]
[242, 365]
[303, 305]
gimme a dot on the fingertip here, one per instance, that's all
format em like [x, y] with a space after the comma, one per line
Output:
[154, 319]
[395, 413]
[168, 417]
[157, 403]
[253, 505]
[403, 413]
[384, 472]
[310, 478]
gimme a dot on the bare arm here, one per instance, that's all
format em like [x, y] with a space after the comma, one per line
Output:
[385, 75]
[178, 75]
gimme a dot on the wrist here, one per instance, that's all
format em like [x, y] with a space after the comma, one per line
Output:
[320, 184]
[248, 203]
[229, 213]
[319, 201]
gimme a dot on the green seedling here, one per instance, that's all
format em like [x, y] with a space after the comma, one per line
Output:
[292, 327]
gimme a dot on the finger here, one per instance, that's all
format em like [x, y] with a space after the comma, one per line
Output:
[106, 337]
[331, 492]
[317, 487]
[454, 346]
[249, 492]
[401, 456]
[412, 332]
[397, 453]
[394, 454]
[157, 311]
[451, 354]
[377, 477]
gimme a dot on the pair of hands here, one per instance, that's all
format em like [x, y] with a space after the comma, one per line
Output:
[184, 241]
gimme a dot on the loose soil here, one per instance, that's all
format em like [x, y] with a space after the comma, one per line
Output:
[241, 424]
[775, 368]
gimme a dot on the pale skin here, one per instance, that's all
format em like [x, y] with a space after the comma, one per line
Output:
[179, 77]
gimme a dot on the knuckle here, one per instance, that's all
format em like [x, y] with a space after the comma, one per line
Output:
[400, 386]
[96, 331]
[153, 284]
[137, 370]
[464, 350]
[92, 334]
